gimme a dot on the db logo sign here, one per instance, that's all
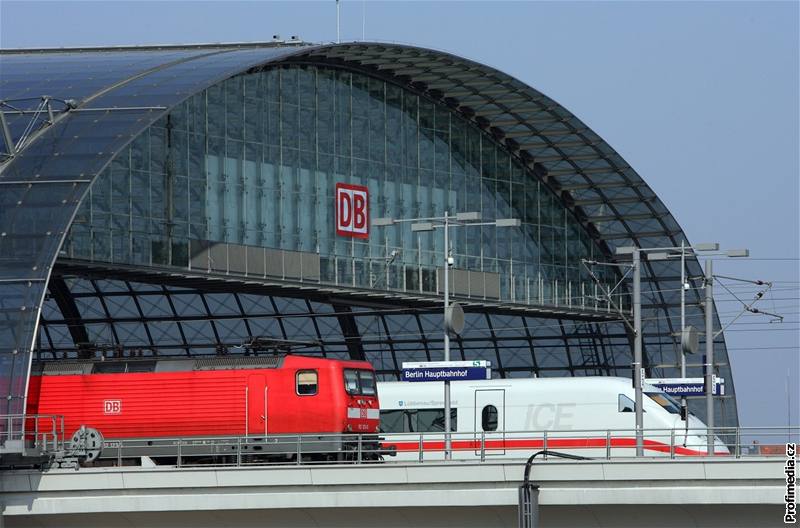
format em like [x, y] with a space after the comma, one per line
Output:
[112, 406]
[352, 210]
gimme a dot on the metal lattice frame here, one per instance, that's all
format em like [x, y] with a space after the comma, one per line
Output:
[114, 303]
[594, 183]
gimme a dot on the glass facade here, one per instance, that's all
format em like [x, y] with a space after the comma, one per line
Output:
[137, 320]
[250, 159]
[253, 161]
[54, 160]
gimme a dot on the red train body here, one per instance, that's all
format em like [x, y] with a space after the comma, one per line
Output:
[216, 397]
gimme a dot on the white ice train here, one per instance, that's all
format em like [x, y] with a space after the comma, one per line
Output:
[588, 416]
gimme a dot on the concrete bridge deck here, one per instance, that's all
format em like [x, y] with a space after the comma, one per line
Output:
[653, 493]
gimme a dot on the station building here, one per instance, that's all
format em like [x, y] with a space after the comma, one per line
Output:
[182, 201]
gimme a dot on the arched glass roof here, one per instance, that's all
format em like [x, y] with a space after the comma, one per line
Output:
[96, 101]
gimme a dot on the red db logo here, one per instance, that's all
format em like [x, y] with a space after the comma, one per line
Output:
[352, 210]
[112, 406]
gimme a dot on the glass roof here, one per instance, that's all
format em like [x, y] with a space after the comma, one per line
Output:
[42, 185]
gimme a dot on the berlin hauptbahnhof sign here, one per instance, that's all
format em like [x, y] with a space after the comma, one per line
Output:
[686, 386]
[447, 371]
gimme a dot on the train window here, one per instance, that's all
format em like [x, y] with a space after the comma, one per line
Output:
[367, 379]
[416, 420]
[392, 421]
[351, 384]
[489, 418]
[625, 404]
[307, 382]
[432, 420]
[666, 401]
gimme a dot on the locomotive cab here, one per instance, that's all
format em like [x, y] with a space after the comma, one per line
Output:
[361, 391]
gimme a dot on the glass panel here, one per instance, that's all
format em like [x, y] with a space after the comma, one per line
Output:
[489, 418]
[666, 401]
[432, 420]
[217, 165]
[367, 380]
[392, 421]
[253, 162]
[625, 404]
[351, 382]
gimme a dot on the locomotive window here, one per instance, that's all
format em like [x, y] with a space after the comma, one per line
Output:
[351, 384]
[489, 418]
[306, 382]
[367, 379]
[625, 404]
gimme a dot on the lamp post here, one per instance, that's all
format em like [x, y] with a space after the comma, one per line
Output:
[445, 222]
[684, 251]
[709, 284]
[665, 253]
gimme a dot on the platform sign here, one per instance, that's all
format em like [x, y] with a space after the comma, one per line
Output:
[686, 386]
[352, 210]
[447, 371]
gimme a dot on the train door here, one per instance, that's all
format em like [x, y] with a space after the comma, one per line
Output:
[490, 406]
[257, 405]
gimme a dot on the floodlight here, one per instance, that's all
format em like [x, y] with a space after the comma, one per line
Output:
[661, 255]
[707, 246]
[468, 217]
[423, 226]
[508, 222]
[738, 252]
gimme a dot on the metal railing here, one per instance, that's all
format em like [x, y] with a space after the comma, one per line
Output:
[37, 433]
[608, 444]
[495, 282]
[43, 434]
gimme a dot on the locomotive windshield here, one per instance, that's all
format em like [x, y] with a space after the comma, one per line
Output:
[666, 401]
[359, 382]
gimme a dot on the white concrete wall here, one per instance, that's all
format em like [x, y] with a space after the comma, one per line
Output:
[611, 516]
[648, 493]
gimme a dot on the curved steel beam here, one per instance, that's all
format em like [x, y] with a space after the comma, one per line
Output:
[557, 148]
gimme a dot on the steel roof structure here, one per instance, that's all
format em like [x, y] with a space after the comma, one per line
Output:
[67, 113]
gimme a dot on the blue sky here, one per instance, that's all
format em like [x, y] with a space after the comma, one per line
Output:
[701, 98]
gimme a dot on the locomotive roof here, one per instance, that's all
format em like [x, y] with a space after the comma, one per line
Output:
[131, 365]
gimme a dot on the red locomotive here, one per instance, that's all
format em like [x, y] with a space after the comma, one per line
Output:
[268, 399]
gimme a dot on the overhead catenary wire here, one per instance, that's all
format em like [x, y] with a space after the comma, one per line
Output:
[788, 259]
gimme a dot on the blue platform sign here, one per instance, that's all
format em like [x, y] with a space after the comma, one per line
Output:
[686, 386]
[447, 371]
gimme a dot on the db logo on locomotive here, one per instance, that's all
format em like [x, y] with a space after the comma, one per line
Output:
[112, 406]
